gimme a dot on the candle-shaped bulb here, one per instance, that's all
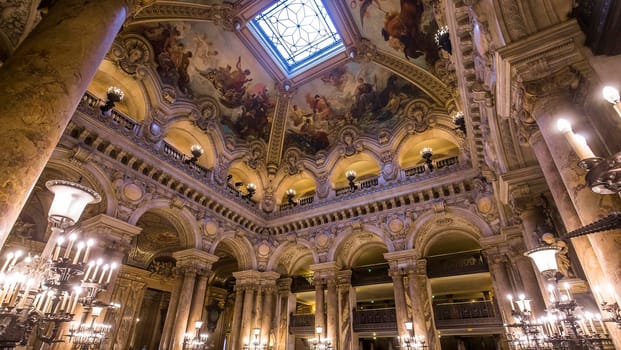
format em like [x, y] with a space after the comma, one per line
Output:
[563, 125]
[610, 94]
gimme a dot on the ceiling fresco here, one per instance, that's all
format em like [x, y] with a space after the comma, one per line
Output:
[201, 60]
[158, 233]
[365, 96]
[405, 27]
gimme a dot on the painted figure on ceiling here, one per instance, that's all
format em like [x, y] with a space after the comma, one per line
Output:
[411, 31]
[366, 97]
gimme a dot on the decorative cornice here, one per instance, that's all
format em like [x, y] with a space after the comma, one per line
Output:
[185, 11]
[535, 57]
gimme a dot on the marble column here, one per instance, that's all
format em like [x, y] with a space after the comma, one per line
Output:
[170, 315]
[332, 314]
[246, 324]
[192, 261]
[400, 305]
[198, 301]
[283, 308]
[319, 304]
[589, 205]
[156, 336]
[128, 292]
[346, 302]
[233, 343]
[267, 314]
[42, 83]
[563, 203]
[422, 308]
[497, 262]
[183, 309]
[258, 311]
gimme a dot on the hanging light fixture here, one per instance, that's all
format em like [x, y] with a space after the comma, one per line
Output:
[566, 325]
[410, 340]
[195, 340]
[256, 343]
[319, 342]
[42, 291]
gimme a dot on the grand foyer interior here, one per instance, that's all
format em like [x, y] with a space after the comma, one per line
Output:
[397, 176]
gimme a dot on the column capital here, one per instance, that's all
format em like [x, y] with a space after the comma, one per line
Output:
[111, 232]
[419, 268]
[514, 186]
[534, 58]
[324, 271]
[195, 259]
[402, 259]
[343, 278]
[284, 284]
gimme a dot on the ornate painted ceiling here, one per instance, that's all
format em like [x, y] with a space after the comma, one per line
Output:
[336, 102]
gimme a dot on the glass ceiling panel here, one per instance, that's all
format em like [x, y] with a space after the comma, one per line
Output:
[298, 33]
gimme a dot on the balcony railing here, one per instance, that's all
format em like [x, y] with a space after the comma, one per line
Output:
[439, 164]
[301, 284]
[470, 314]
[301, 202]
[361, 185]
[375, 320]
[302, 323]
[116, 119]
[456, 264]
[370, 274]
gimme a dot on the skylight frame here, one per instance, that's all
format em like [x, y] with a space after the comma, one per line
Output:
[261, 29]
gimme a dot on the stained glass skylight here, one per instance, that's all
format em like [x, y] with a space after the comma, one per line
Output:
[297, 33]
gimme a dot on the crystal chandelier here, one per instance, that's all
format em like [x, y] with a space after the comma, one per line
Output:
[410, 340]
[256, 343]
[566, 325]
[41, 292]
[320, 343]
[89, 335]
[195, 340]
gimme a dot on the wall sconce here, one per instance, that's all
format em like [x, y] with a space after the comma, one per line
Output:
[427, 153]
[290, 194]
[610, 307]
[460, 122]
[351, 176]
[113, 95]
[196, 151]
[603, 175]
[251, 190]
